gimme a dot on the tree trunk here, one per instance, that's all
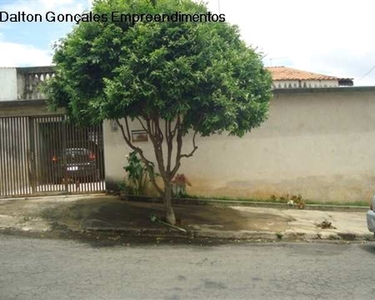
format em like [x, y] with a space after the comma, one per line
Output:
[170, 216]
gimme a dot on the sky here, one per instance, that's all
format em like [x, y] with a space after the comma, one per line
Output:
[331, 37]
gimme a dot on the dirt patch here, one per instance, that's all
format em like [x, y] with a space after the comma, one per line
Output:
[107, 212]
[110, 212]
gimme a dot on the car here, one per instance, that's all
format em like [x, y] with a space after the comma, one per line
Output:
[76, 163]
[371, 216]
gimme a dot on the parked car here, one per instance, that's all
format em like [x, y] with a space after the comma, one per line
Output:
[76, 163]
[371, 216]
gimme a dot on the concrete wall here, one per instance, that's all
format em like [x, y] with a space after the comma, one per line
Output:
[317, 142]
[8, 84]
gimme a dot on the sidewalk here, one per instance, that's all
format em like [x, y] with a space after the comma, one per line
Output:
[108, 214]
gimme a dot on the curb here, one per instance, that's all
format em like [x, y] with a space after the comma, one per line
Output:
[190, 201]
[265, 236]
[246, 236]
[24, 230]
[61, 196]
[197, 234]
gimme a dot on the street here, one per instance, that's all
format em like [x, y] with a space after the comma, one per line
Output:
[63, 269]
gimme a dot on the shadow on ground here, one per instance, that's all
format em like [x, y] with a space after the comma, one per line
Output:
[370, 248]
[70, 218]
[111, 212]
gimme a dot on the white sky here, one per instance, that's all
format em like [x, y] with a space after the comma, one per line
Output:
[331, 37]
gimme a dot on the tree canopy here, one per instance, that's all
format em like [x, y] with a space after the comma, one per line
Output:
[195, 76]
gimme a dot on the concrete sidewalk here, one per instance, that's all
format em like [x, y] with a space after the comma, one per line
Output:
[109, 214]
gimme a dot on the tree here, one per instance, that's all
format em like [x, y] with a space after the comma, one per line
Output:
[172, 78]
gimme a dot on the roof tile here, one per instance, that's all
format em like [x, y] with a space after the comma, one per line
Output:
[285, 73]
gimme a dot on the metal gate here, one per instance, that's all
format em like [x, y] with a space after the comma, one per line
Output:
[46, 155]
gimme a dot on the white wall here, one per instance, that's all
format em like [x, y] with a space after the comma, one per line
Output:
[282, 84]
[8, 84]
[319, 144]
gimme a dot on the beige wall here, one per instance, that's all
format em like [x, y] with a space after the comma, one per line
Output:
[319, 143]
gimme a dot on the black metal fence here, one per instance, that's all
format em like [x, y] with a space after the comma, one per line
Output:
[46, 155]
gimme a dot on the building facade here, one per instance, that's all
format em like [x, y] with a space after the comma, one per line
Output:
[317, 142]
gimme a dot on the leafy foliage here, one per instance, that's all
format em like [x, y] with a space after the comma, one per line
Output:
[202, 71]
[138, 175]
[173, 78]
[124, 188]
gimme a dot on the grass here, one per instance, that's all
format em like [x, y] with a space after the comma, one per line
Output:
[362, 203]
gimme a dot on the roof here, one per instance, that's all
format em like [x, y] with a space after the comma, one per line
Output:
[285, 73]
[280, 73]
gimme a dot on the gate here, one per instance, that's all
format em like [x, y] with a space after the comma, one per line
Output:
[46, 155]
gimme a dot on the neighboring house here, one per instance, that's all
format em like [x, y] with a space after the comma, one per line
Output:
[23, 83]
[39, 152]
[284, 77]
[317, 142]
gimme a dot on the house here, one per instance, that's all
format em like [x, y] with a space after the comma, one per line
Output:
[39, 151]
[284, 77]
[317, 142]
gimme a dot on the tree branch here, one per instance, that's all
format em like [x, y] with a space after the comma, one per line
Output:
[179, 144]
[127, 127]
[143, 126]
[169, 138]
[194, 147]
[173, 132]
[179, 147]
[159, 132]
[158, 149]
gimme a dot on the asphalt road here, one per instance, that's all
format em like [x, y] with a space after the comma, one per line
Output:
[62, 269]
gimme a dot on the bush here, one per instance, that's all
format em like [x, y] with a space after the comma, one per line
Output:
[137, 174]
